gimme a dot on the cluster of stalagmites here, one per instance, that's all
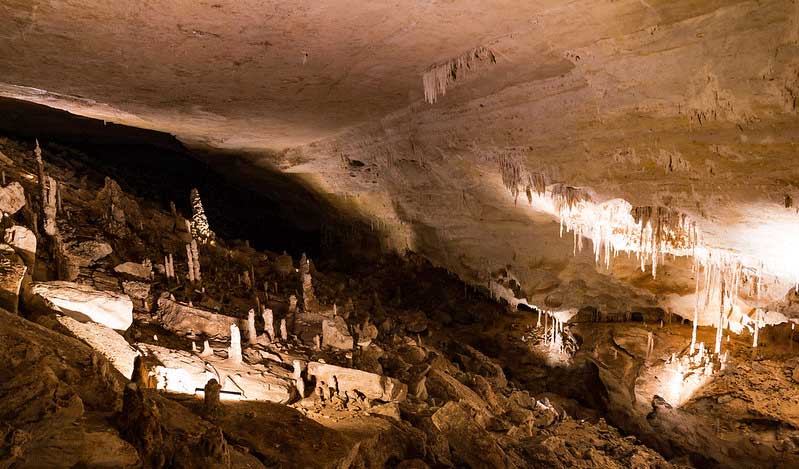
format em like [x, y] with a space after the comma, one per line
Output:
[291, 347]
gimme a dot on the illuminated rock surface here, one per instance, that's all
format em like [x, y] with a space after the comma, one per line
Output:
[534, 227]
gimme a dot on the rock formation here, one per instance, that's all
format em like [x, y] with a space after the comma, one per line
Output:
[200, 229]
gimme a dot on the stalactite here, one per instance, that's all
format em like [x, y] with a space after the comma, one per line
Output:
[437, 78]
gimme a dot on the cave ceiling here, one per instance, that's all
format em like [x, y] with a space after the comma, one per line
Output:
[685, 108]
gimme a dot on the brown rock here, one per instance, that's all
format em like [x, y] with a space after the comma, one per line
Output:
[472, 443]
[80, 302]
[12, 198]
[373, 386]
[12, 274]
[182, 319]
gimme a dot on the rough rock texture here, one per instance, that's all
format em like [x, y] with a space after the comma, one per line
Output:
[81, 302]
[106, 341]
[12, 198]
[12, 274]
[474, 445]
[24, 242]
[182, 319]
[185, 372]
[660, 104]
[56, 397]
[336, 334]
[371, 385]
[134, 269]
[77, 254]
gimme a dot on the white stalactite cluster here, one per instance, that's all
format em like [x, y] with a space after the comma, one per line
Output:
[200, 229]
[438, 77]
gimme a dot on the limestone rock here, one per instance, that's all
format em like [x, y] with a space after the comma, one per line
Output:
[186, 372]
[443, 386]
[371, 385]
[12, 198]
[473, 444]
[81, 302]
[139, 293]
[105, 340]
[182, 320]
[12, 273]
[24, 242]
[77, 254]
[336, 334]
[135, 269]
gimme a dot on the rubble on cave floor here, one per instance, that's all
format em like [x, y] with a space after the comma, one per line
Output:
[155, 342]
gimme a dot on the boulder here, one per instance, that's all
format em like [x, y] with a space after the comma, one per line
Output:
[188, 373]
[12, 273]
[336, 334]
[77, 254]
[139, 292]
[471, 442]
[105, 340]
[475, 361]
[12, 198]
[182, 320]
[81, 302]
[371, 385]
[24, 243]
[445, 387]
[135, 269]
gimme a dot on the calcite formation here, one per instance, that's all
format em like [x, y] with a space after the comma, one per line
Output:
[80, 302]
[599, 196]
[371, 385]
[183, 319]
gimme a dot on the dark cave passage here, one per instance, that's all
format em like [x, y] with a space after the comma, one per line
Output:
[270, 209]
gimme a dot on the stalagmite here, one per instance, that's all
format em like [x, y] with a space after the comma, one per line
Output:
[200, 229]
[298, 381]
[309, 303]
[211, 397]
[251, 335]
[195, 252]
[720, 324]
[757, 328]
[269, 324]
[234, 352]
[169, 266]
[207, 350]
[49, 205]
[284, 334]
[190, 260]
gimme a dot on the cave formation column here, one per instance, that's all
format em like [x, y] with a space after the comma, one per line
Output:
[757, 328]
[720, 324]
